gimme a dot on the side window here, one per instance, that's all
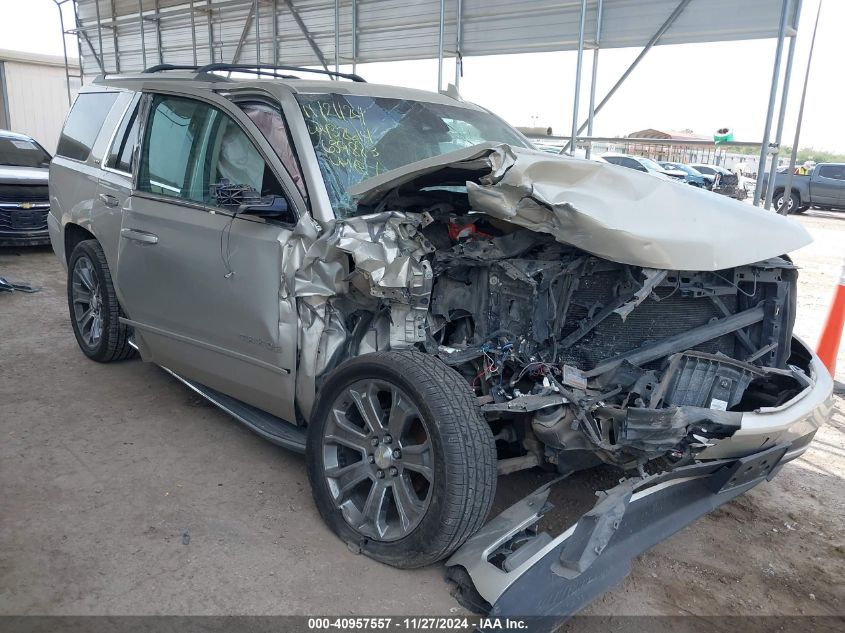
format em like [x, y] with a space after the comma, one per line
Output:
[195, 152]
[120, 154]
[613, 160]
[83, 124]
[836, 172]
[271, 123]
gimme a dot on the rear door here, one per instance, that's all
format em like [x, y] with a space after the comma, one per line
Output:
[200, 285]
[114, 184]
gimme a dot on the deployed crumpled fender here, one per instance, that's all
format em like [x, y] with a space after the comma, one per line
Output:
[613, 212]
[387, 252]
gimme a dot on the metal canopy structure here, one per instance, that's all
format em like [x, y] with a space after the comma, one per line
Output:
[129, 35]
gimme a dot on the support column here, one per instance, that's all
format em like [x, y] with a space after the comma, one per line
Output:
[143, 40]
[578, 64]
[654, 39]
[787, 75]
[773, 93]
[275, 32]
[593, 80]
[440, 46]
[459, 60]
[336, 37]
[193, 34]
[354, 36]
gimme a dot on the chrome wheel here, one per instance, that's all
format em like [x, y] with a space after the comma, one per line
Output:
[378, 460]
[87, 301]
[784, 200]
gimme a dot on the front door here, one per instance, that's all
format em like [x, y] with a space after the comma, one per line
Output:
[201, 284]
[827, 185]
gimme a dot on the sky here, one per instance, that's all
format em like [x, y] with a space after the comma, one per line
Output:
[701, 87]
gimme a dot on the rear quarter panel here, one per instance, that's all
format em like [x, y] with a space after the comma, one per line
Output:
[73, 191]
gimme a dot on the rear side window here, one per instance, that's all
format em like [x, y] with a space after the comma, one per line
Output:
[83, 124]
[195, 152]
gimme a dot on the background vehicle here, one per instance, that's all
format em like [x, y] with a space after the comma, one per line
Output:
[397, 284]
[24, 201]
[693, 177]
[641, 163]
[823, 187]
[724, 180]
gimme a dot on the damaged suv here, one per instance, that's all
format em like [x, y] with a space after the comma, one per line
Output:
[397, 284]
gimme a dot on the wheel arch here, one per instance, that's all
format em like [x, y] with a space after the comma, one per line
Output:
[73, 235]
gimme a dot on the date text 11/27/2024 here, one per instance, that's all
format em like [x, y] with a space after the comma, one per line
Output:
[422, 623]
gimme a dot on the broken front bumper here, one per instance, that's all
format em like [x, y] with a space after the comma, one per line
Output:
[553, 578]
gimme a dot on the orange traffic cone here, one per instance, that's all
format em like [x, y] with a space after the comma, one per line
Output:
[831, 335]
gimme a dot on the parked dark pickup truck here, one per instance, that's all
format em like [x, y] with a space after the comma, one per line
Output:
[823, 187]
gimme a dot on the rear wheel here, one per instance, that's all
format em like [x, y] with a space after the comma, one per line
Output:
[94, 309]
[401, 461]
[787, 204]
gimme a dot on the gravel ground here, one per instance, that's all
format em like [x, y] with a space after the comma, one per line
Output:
[124, 493]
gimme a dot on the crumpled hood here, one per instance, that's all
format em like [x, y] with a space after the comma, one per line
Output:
[613, 212]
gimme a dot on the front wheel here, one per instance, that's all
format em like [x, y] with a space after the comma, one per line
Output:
[401, 461]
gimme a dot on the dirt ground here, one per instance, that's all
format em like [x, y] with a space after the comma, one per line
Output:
[121, 492]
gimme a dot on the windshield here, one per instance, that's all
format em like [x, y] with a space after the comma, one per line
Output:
[358, 137]
[681, 167]
[649, 164]
[16, 152]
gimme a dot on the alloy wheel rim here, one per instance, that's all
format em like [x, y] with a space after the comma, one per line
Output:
[87, 302]
[782, 200]
[378, 460]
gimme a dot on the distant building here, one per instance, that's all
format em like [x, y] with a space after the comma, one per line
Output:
[678, 153]
[33, 95]
[710, 154]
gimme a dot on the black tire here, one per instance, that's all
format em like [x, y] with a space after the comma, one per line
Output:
[792, 203]
[463, 455]
[113, 341]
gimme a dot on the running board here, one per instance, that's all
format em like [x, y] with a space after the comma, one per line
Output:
[273, 429]
[267, 425]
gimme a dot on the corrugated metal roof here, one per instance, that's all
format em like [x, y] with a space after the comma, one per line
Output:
[397, 29]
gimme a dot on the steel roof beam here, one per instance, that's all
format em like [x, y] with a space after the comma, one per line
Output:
[654, 39]
[242, 39]
[305, 32]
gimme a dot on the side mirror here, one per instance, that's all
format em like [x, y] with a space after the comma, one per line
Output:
[270, 208]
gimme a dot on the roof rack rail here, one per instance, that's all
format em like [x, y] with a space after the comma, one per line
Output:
[258, 68]
[161, 67]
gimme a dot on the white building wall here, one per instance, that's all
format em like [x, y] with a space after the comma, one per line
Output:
[37, 95]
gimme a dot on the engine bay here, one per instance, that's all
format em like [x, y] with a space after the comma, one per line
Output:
[574, 359]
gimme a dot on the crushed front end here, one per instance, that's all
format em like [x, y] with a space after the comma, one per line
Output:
[600, 316]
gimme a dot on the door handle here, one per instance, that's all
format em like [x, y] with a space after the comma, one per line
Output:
[139, 236]
[109, 200]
